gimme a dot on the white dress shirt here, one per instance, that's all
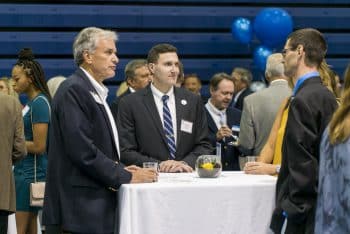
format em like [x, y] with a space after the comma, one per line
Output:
[235, 99]
[157, 95]
[219, 116]
[102, 92]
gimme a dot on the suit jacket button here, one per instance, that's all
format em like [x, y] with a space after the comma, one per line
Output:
[225, 147]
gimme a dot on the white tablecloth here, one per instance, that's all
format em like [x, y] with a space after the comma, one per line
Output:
[186, 204]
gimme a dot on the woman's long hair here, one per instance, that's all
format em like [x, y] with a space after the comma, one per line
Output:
[339, 127]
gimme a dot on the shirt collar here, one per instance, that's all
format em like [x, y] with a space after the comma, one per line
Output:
[160, 94]
[301, 80]
[239, 93]
[278, 80]
[101, 90]
[214, 109]
[132, 90]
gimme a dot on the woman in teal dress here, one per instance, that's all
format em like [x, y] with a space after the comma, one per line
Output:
[29, 79]
[333, 203]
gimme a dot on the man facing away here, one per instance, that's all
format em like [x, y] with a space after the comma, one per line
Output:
[310, 110]
[137, 76]
[221, 119]
[84, 170]
[163, 123]
[260, 108]
[12, 148]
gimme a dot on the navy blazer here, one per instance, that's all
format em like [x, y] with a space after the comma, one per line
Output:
[229, 153]
[142, 137]
[239, 103]
[83, 166]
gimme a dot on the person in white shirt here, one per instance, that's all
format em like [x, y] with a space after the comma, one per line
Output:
[84, 171]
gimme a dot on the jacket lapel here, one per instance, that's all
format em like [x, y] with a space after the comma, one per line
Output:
[150, 105]
[93, 91]
[211, 124]
[180, 104]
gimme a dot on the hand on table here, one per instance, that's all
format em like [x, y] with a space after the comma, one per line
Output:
[142, 175]
[174, 166]
[259, 168]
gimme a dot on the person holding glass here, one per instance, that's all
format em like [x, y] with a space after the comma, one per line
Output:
[221, 119]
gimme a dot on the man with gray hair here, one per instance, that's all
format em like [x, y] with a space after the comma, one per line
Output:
[242, 78]
[260, 108]
[137, 76]
[84, 170]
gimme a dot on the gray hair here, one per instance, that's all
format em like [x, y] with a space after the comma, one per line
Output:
[132, 66]
[274, 65]
[87, 39]
[53, 84]
[245, 75]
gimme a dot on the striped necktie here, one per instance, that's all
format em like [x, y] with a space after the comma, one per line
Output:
[168, 127]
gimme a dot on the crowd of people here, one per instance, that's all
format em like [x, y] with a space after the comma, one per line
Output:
[85, 149]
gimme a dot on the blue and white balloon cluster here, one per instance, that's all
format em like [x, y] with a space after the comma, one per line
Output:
[271, 26]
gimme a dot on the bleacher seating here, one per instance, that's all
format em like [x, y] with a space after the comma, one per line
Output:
[199, 29]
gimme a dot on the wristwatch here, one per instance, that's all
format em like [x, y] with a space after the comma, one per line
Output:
[278, 168]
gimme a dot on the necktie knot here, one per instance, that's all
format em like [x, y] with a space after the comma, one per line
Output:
[165, 98]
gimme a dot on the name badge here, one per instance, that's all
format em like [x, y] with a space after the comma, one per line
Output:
[25, 110]
[96, 97]
[186, 126]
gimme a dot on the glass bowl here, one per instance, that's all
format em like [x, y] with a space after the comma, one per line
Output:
[208, 166]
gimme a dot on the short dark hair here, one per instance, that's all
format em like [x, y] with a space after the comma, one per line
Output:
[314, 44]
[155, 51]
[193, 75]
[217, 78]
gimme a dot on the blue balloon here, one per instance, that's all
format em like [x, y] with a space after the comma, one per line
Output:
[260, 57]
[272, 26]
[242, 30]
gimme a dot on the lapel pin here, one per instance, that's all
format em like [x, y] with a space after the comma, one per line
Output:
[183, 102]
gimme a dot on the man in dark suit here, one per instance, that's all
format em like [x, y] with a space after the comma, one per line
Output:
[137, 76]
[310, 110]
[163, 123]
[242, 79]
[83, 161]
[221, 119]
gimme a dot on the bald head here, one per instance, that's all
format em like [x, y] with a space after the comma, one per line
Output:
[274, 67]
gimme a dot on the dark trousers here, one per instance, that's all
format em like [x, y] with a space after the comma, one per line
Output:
[56, 229]
[4, 215]
[307, 227]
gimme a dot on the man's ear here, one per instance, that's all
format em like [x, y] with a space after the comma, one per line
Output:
[87, 57]
[211, 90]
[151, 67]
[300, 49]
[129, 81]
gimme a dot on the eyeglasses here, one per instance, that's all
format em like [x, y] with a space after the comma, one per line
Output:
[284, 51]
